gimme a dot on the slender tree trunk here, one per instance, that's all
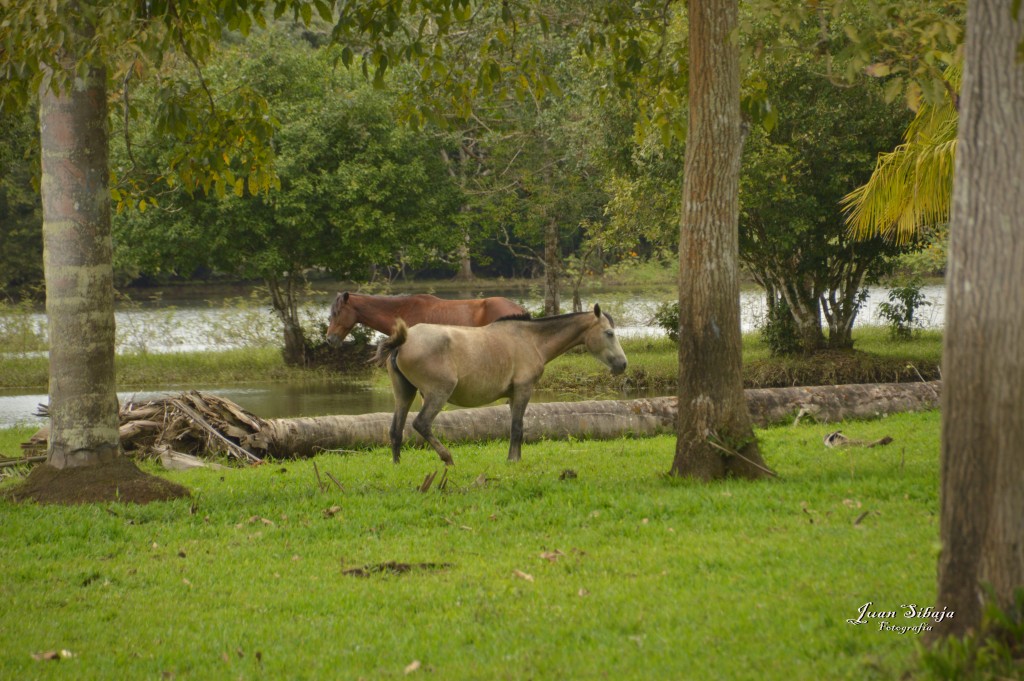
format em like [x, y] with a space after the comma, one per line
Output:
[552, 269]
[79, 274]
[285, 304]
[982, 498]
[806, 310]
[465, 272]
[715, 436]
[843, 303]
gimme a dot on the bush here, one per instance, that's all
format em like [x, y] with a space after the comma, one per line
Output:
[780, 332]
[898, 313]
[667, 317]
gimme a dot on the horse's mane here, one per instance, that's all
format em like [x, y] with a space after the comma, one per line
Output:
[526, 317]
[520, 317]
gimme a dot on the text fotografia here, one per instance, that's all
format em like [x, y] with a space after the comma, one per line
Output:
[897, 620]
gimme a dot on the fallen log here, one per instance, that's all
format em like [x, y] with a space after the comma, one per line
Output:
[199, 424]
[597, 419]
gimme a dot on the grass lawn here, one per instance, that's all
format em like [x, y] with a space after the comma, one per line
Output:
[516, 573]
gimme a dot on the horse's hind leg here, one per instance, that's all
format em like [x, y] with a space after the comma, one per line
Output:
[405, 393]
[432, 405]
[517, 404]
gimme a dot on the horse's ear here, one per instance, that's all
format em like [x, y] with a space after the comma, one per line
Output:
[344, 297]
[597, 310]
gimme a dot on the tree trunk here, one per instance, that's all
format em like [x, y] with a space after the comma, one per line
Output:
[714, 416]
[84, 462]
[552, 269]
[982, 504]
[79, 272]
[596, 419]
[806, 310]
[843, 302]
[465, 272]
[285, 303]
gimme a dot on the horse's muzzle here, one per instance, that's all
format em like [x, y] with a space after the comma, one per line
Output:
[618, 367]
[334, 340]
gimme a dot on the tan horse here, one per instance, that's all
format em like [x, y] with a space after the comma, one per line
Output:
[380, 312]
[472, 367]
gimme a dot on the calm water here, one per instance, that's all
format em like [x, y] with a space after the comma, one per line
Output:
[190, 327]
[277, 400]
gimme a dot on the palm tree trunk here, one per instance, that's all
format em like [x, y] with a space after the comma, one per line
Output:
[79, 272]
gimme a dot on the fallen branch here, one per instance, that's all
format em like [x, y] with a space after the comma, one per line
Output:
[733, 452]
[234, 449]
[22, 461]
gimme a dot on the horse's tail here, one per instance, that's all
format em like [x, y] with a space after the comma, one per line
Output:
[387, 348]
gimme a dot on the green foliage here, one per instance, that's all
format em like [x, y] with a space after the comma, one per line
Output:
[21, 234]
[222, 139]
[666, 316]
[632, 575]
[901, 307]
[19, 330]
[792, 234]
[355, 188]
[993, 653]
[907, 45]
[780, 332]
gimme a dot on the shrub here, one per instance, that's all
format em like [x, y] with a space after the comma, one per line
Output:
[667, 317]
[780, 332]
[899, 311]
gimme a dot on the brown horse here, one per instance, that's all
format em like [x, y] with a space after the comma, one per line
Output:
[380, 312]
[471, 367]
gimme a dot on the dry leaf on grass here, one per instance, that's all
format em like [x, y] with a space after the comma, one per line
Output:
[412, 666]
[523, 575]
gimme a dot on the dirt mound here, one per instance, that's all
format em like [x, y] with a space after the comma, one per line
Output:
[120, 480]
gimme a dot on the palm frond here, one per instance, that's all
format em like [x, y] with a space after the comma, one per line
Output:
[911, 186]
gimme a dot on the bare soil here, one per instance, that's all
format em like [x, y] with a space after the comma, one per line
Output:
[120, 480]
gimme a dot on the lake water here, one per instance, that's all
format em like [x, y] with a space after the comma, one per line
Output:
[196, 327]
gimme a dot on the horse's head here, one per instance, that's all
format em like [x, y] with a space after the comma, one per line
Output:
[602, 343]
[343, 318]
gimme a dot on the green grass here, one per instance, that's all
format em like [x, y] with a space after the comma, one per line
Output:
[656, 578]
[142, 370]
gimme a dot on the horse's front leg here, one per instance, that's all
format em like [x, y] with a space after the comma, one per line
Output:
[432, 405]
[517, 404]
